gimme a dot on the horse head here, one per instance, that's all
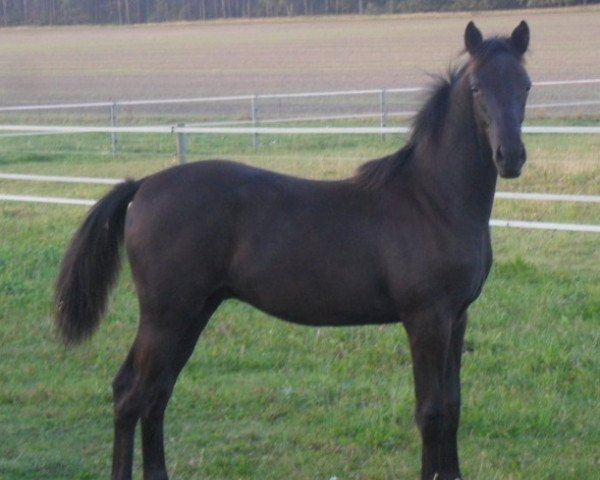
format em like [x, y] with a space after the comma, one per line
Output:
[499, 87]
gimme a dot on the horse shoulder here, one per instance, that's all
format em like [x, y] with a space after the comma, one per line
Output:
[424, 269]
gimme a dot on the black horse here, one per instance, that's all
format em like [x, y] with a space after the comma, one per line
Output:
[404, 240]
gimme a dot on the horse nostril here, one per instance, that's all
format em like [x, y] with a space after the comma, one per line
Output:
[503, 154]
[499, 154]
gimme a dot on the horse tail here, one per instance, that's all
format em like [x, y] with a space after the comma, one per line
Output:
[91, 266]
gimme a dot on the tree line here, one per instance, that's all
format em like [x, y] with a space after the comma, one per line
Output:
[63, 12]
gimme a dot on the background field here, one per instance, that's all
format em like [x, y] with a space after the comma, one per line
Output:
[261, 399]
[287, 55]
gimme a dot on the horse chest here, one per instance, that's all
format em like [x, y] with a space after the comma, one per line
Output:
[449, 273]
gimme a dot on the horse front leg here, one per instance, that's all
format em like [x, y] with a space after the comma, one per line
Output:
[430, 337]
[449, 463]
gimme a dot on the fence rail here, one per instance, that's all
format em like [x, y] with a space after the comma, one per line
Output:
[181, 131]
[162, 129]
[565, 227]
[260, 109]
[55, 200]
[267, 96]
[543, 197]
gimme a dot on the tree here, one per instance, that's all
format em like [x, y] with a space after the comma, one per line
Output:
[51, 12]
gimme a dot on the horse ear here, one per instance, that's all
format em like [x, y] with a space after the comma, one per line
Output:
[520, 37]
[473, 38]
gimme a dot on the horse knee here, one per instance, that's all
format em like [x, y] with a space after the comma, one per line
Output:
[124, 377]
[126, 401]
[430, 420]
[452, 409]
[156, 401]
[126, 410]
[120, 386]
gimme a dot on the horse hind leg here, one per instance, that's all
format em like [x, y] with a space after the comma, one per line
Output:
[144, 386]
[139, 377]
[126, 415]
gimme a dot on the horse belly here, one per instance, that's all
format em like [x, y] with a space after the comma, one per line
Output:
[321, 308]
[312, 288]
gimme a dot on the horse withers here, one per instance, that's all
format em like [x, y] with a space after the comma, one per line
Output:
[406, 239]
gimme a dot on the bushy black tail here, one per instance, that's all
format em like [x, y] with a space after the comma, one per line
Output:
[91, 265]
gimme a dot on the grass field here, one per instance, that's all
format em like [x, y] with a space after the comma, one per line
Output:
[262, 399]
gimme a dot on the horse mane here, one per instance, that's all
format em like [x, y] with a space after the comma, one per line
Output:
[428, 123]
[376, 173]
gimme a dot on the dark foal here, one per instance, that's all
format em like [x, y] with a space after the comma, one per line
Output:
[404, 240]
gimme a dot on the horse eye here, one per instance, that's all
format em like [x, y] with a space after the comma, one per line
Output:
[528, 87]
[475, 89]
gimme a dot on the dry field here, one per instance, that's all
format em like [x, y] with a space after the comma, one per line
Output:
[287, 55]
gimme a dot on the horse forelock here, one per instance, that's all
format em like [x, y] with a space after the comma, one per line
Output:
[490, 48]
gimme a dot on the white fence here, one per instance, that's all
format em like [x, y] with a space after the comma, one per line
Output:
[226, 128]
[253, 111]
[263, 109]
[278, 96]
[264, 130]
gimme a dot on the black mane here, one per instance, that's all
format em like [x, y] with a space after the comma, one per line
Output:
[428, 123]
[426, 126]
[376, 173]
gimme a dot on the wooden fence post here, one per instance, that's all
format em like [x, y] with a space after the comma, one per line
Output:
[182, 144]
[114, 121]
[254, 106]
[383, 110]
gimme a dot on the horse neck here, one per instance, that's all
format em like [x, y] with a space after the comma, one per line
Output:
[459, 168]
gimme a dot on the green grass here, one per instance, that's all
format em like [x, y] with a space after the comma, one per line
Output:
[262, 399]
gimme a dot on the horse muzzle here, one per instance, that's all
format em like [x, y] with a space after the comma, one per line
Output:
[509, 160]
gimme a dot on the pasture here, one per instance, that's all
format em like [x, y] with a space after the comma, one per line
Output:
[261, 399]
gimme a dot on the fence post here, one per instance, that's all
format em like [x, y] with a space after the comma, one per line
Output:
[114, 121]
[383, 111]
[256, 140]
[182, 144]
